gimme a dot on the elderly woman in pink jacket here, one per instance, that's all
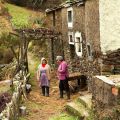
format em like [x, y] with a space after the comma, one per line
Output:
[62, 73]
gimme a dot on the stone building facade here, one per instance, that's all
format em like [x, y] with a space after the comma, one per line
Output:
[86, 32]
[78, 22]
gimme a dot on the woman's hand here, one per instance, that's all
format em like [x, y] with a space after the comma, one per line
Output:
[38, 79]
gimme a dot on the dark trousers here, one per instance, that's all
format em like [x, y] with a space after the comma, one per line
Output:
[63, 85]
[45, 91]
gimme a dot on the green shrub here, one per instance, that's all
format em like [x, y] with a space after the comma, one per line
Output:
[24, 18]
[8, 56]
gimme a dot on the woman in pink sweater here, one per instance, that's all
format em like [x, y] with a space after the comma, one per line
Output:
[62, 73]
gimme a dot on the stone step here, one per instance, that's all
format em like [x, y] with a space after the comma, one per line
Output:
[86, 100]
[77, 110]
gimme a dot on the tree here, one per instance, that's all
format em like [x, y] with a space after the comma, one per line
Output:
[32, 3]
[11, 42]
[19, 47]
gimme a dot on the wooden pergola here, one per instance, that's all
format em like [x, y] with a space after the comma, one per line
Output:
[38, 33]
[25, 36]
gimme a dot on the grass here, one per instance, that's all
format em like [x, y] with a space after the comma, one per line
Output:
[30, 105]
[64, 116]
[21, 16]
[33, 64]
[4, 88]
[22, 118]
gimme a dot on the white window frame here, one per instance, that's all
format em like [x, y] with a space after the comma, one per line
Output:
[70, 24]
[71, 33]
[78, 43]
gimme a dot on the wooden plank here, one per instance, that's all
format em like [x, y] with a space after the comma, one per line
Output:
[74, 76]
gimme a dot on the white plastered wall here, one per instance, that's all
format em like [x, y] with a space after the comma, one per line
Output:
[109, 11]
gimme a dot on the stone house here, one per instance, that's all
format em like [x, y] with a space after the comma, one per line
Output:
[87, 37]
[85, 29]
[80, 48]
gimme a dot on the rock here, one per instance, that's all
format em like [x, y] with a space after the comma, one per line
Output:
[23, 110]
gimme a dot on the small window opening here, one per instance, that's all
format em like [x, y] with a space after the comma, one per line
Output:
[72, 51]
[89, 50]
[69, 16]
[71, 38]
[54, 18]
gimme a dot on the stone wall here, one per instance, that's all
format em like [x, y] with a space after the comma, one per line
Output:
[85, 21]
[92, 34]
[78, 25]
[11, 112]
[84, 65]
[57, 18]
[55, 45]
[92, 29]
[106, 97]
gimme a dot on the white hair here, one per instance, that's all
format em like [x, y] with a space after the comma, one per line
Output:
[59, 58]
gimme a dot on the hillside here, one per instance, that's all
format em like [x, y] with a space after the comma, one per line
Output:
[18, 17]
[5, 25]
[22, 17]
[11, 17]
[51, 3]
[37, 4]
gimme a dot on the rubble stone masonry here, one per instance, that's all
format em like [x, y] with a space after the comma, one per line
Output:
[85, 21]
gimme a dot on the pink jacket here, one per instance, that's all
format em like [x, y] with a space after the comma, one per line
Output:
[62, 71]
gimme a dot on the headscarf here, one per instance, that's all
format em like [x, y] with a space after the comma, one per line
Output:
[43, 64]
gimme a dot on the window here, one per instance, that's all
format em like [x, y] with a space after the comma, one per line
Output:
[89, 50]
[72, 51]
[53, 18]
[52, 51]
[70, 37]
[78, 44]
[70, 17]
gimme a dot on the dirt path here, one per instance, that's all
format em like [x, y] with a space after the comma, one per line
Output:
[40, 107]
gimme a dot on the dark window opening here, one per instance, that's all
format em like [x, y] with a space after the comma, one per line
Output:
[52, 50]
[89, 50]
[72, 51]
[54, 18]
[71, 38]
[69, 16]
